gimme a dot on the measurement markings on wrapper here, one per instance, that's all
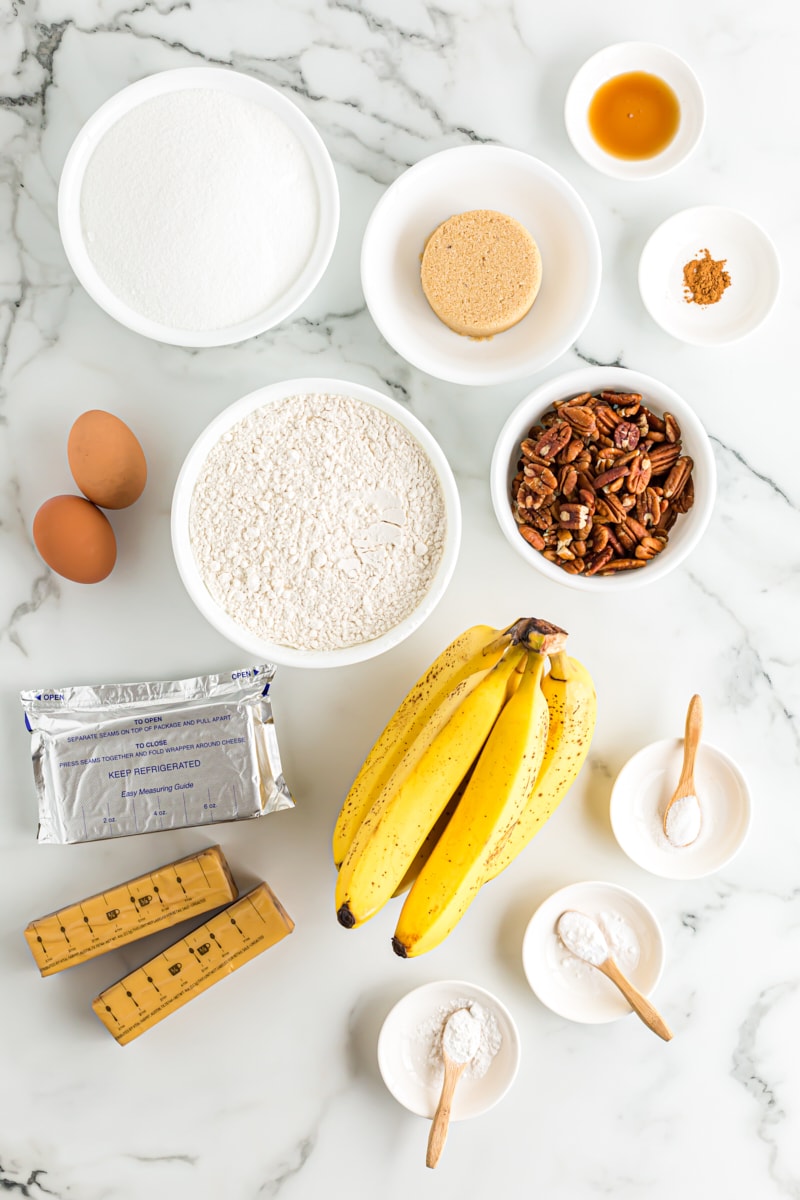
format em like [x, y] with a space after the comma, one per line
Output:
[194, 963]
[130, 910]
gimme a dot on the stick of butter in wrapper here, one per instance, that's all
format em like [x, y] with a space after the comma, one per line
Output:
[122, 758]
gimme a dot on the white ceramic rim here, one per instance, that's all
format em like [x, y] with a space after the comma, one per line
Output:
[412, 350]
[647, 276]
[457, 988]
[565, 898]
[637, 56]
[619, 812]
[180, 79]
[503, 469]
[187, 567]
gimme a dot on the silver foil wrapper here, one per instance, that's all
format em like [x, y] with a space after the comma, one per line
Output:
[123, 758]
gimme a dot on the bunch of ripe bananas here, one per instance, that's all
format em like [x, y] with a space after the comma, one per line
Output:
[476, 758]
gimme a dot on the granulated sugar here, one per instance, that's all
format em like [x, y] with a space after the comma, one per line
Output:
[199, 209]
[317, 522]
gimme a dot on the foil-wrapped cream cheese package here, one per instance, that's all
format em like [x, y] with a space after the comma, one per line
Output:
[123, 758]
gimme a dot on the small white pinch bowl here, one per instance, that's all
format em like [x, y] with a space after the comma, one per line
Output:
[218, 79]
[460, 180]
[619, 59]
[572, 988]
[408, 1077]
[640, 796]
[225, 624]
[751, 260]
[688, 529]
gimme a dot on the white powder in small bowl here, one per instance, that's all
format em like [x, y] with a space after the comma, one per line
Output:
[318, 522]
[426, 1058]
[199, 209]
[683, 821]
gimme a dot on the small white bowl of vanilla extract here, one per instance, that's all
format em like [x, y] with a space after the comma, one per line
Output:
[634, 111]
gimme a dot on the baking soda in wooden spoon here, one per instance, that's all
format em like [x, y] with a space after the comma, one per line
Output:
[584, 938]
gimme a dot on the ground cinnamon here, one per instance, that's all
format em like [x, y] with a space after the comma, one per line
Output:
[705, 279]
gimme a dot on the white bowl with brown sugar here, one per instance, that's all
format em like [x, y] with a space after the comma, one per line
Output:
[472, 179]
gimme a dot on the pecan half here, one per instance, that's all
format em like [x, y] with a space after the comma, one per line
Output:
[639, 475]
[567, 480]
[626, 403]
[596, 562]
[573, 516]
[671, 428]
[607, 420]
[582, 420]
[532, 537]
[678, 477]
[684, 502]
[649, 547]
[626, 436]
[571, 451]
[610, 476]
[539, 479]
[623, 564]
[553, 439]
[663, 457]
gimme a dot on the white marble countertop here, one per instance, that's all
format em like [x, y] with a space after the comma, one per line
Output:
[268, 1085]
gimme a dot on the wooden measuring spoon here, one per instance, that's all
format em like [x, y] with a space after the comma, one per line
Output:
[584, 938]
[691, 740]
[453, 1070]
[639, 1003]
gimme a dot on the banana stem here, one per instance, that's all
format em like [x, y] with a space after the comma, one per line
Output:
[534, 633]
[559, 666]
[503, 640]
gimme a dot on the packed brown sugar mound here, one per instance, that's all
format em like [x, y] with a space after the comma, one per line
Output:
[481, 272]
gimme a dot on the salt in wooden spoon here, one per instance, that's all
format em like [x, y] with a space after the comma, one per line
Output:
[460, 1039]
[584, 938]
[682, 816]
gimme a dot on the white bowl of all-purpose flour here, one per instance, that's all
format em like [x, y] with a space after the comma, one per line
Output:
[198, 207]
[316, 523]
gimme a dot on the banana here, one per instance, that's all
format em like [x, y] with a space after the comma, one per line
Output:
[500, 786]
[572, 704]
[424, 852]
[398, 822]
[475, 650]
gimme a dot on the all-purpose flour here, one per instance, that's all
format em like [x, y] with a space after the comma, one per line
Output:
[317, 522]
[199, 209]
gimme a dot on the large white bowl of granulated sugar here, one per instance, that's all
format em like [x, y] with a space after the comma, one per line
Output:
[198, 207]
[316, 523]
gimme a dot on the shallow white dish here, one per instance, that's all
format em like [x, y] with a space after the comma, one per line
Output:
[688, 529]
[618, 60]
[573, 988]
[751, 260]
[187, 566]
[408, 1077]
[642, 791]
[459, 180]
[214, 78]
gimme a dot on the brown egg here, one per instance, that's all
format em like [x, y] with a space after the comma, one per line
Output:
[75, 539]
[106, 460]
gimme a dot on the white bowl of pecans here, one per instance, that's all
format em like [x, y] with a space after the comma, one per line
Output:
[603, 479]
